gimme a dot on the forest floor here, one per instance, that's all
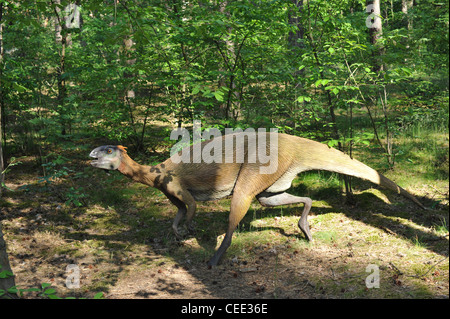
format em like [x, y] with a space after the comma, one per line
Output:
[119, 235]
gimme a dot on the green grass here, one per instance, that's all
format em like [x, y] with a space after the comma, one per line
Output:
[441, 227]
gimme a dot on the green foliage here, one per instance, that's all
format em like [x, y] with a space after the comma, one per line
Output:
[13, 162]
[307, 70]
[44, 290]
[5, 274]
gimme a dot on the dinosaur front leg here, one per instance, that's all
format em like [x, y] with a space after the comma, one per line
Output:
[186, 207]
[176, 221]
[180, 214]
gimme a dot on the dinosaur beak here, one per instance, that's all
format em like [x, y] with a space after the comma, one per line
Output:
[95, 154]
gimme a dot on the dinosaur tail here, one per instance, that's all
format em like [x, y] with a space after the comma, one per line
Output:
[336, 161]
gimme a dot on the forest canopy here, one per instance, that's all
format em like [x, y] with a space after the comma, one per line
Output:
[109, 68]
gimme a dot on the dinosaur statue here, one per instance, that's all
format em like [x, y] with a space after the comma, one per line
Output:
[186, 182]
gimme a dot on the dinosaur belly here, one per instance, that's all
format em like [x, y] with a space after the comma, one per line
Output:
[211, 194]
[283, 183]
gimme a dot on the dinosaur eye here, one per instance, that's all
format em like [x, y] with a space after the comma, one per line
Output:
[109, 151]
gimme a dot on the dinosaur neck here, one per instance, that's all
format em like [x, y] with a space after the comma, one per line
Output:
[137, 172]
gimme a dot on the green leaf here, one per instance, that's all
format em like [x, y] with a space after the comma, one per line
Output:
[331, 50]
[20, 88]
[196, 90]
[45, 285]
[30, 290]
[332, 143]
[98, 295]
[303, 98]
[219, 95]
[13, 290]
[5, 273]
[50, 291]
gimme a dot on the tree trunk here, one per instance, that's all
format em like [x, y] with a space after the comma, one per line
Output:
[129, 93]
[295, 42]
[61, 37]
[406, 5]
[2, 177]
[8, 282]
[374, 24]
[295, 38]
[231, 105]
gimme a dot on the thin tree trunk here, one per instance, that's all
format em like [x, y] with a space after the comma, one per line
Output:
[295, 42]
[2, 177]
[406, 6]
[61, 37]
[375, 32]
[8, 281]
[295, 39]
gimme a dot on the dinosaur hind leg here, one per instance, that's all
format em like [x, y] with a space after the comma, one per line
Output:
[278, 199]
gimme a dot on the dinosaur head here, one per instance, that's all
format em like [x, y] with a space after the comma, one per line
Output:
[107, 156]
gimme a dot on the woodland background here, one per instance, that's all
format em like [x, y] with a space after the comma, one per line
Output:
[367, 77]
